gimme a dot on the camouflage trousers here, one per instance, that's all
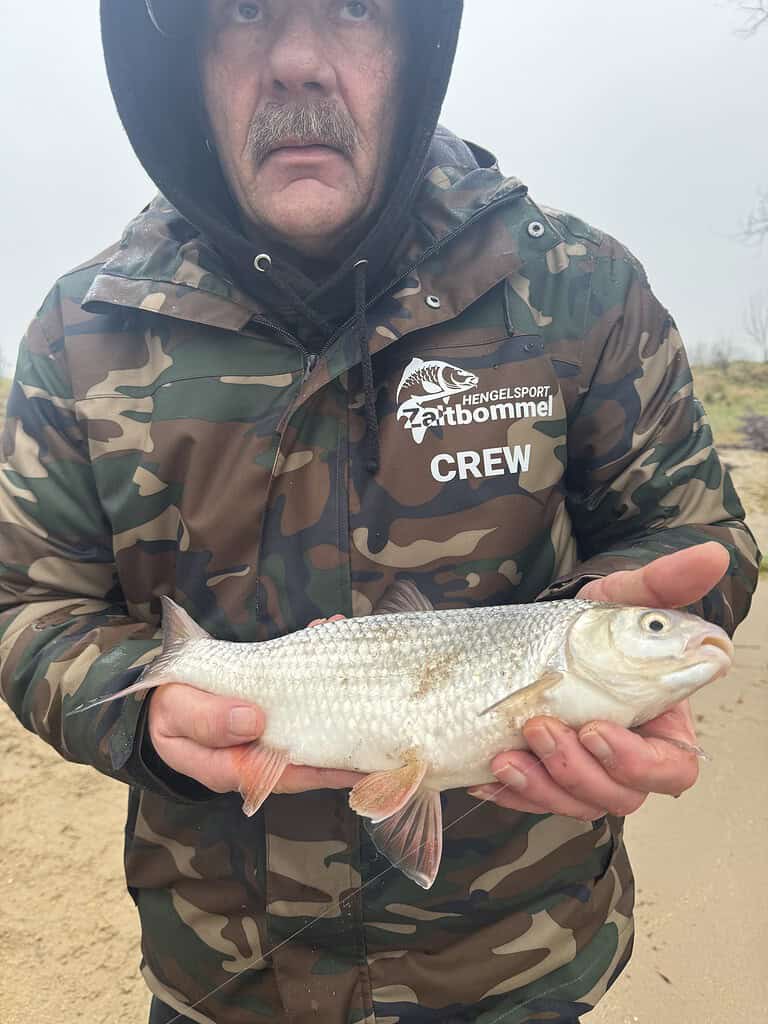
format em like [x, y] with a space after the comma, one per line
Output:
[162, 1014]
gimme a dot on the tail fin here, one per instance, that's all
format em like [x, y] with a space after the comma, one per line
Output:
[178, 629]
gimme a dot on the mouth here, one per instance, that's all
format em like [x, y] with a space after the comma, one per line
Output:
[718, 642]
[306, 147]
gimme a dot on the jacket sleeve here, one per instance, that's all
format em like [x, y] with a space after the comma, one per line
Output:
[65, 632]
[643, 477]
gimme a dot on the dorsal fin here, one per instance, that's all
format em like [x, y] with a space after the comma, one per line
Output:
[403, 596]
[413, 367]
[178, 625]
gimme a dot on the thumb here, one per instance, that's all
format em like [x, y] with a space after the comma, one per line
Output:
[671, 581]
[180, 711]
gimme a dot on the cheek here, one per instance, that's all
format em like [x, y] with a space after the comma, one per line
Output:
[231, 98]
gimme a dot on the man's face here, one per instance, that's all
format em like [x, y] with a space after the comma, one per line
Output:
[280, 75]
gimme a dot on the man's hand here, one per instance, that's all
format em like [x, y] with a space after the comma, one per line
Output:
[604, 768]
[204, 737]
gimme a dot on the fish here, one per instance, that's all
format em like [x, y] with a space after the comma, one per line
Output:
[421, 701]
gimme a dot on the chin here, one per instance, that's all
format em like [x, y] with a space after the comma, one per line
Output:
[309, 216]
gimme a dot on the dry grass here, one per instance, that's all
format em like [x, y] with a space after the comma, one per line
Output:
[729, 395]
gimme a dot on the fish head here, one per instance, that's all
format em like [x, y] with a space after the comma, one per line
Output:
[456, 379]
[649, 658]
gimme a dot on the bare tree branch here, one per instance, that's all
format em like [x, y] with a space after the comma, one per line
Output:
[756, 322]
[756, 225]
[756, 15]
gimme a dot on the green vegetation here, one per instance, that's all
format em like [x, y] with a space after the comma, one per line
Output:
[729, 394]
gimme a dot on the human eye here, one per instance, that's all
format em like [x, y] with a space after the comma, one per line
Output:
[248, 14]
[355, 11]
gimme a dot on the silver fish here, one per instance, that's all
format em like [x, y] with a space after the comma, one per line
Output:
[422, 700]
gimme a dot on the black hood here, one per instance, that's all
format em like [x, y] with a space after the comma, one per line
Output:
[153, 74]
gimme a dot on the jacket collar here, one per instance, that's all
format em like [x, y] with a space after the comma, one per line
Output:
[163, 265]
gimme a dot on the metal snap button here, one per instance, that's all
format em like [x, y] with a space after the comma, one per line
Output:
[263, 262]
[433, 302]
[536, 229]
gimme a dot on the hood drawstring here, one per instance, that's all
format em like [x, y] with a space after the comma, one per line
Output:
[263, 263]
[361, 323]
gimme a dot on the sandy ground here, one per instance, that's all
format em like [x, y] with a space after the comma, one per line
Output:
[68, 935]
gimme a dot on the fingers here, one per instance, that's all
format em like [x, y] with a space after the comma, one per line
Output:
[671, 581]
[205, 737]
[528, 787]
[566, 779]
[641, 761]
[178, 711]
[320, 622]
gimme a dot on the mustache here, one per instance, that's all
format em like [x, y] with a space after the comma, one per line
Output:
[318, 124]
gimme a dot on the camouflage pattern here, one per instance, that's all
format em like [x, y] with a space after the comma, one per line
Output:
[163, 439]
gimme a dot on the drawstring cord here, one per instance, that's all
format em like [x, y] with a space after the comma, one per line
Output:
[263, 263]
[361, 323]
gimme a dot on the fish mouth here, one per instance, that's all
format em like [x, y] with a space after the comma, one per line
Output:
[717, 643]
[720, 643]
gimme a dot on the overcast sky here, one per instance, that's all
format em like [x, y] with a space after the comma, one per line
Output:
[647, 119]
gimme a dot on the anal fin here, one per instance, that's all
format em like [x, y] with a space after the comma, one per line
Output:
[412, 838]
[380, 795]
[261, 768]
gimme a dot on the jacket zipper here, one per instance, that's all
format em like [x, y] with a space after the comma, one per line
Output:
[311, 359]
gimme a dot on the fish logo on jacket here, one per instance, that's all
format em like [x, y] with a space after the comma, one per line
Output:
[434, 381]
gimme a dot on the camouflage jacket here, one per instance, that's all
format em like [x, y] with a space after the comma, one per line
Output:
[538, 428]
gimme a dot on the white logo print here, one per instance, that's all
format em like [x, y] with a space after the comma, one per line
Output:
[438, 382]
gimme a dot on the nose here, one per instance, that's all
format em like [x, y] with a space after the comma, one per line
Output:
[298, 61]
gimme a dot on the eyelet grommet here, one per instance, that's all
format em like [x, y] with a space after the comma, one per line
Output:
[433, 302]
[535, 229]
[263, 262]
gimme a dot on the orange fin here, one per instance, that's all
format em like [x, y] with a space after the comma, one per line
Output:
[382, 794]
[261, 768]
[412, 839]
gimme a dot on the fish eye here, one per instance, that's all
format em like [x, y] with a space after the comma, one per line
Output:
[653, 622]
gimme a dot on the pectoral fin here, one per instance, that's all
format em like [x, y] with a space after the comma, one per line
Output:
[382, 794]
[523, 700]
[412, 839]
[261, 768]
[403, 596]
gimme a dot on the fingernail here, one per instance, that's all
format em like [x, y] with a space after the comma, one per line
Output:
[542, 740]
[481, 793]
[512, 777]
[598, 746]
[244, 721]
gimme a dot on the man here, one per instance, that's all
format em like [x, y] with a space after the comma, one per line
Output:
[342, 349]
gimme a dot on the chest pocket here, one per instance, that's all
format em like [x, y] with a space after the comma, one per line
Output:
[469, 499]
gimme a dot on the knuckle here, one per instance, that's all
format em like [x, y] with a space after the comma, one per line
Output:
[203, 730]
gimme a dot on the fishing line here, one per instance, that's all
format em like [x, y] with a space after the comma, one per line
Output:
[342, 904]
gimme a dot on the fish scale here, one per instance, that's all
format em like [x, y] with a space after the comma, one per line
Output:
[424, 677]
[421, 701]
